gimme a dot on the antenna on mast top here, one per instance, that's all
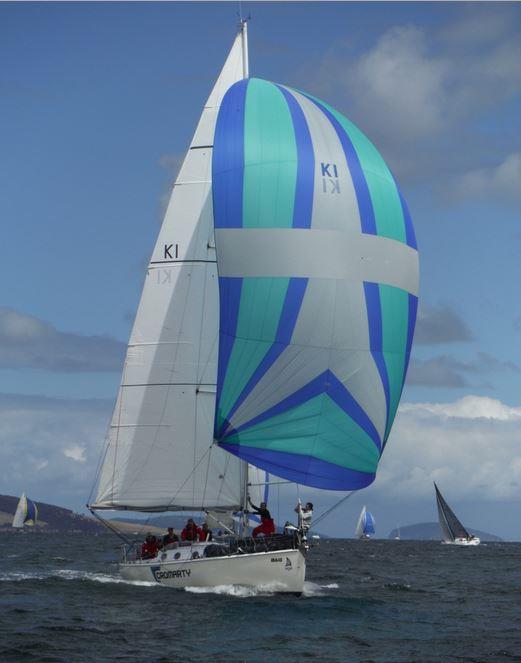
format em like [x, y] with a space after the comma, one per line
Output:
[243, 25]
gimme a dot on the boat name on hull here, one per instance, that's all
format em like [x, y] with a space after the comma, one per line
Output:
[164, 575]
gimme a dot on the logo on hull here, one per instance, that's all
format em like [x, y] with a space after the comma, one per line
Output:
[164, 575]
[288, 566]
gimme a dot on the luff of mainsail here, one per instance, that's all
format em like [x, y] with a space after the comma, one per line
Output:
[159, 453]
[450, 526]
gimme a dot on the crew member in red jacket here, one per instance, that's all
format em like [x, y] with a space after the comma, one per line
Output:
[191, 532]
[267, 525]
[150, 547]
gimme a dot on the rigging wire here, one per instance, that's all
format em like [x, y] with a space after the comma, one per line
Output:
[331, 509]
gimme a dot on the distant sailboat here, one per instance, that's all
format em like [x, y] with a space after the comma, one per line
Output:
[452, 530]
[365, 526]
[26, 513]
[398, 536]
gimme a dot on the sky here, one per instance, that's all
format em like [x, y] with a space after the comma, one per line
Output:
[99, 103]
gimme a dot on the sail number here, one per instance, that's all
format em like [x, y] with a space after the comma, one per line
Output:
[171, 251]
[330, 181]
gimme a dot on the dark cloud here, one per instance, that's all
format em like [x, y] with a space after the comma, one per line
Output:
[440, 324]
[27, 342]
[446, 371]
[437, 372]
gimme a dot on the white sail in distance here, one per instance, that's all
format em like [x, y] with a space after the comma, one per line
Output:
[21, 512]
[159, 453]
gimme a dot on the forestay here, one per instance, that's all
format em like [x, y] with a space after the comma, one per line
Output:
[318, 279]
[159, 453]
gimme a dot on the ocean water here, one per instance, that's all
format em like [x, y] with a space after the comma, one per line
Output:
[61, 600]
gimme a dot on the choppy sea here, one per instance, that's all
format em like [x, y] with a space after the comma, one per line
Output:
[61, 599]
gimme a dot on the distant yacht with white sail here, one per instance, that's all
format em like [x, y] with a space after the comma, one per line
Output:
[365, 526]
[453, 531]
[26, 513]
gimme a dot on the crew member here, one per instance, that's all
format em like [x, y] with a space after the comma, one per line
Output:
[305, 516]
[267, 525]
[150, 548]
[205, 533]
[190, 532]
[170, 537]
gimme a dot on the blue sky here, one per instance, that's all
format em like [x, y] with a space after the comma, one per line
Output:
[99, 104]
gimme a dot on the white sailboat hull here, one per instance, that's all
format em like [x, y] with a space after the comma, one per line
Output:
[279, 571]
[463, 542]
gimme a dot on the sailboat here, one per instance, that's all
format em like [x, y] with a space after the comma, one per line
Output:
[273, 332]
[452, 530]
[365, 525]
[26, 513]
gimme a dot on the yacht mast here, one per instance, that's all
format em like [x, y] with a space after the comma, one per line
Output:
[245, 472]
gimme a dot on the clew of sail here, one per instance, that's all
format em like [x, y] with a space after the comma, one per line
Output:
[318, 281]
[159, 453]
[450, 526]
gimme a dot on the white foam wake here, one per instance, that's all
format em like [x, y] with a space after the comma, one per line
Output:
[239, 591]
[268, 589]
[72, 574]
[313, 589]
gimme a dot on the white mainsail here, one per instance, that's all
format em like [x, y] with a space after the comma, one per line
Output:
[360, 525]
[21, 512]
[160, 453]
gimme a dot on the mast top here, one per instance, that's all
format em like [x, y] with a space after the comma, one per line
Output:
[243, 25]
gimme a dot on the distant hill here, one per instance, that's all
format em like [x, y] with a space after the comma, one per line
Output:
[431, 532]
[57, 519]
[50, 517]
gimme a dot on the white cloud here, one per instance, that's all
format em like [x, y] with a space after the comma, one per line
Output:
[472, 445]
[50, 447]
[75, 452]
[419, 94]
[397, 84]
[501, 182]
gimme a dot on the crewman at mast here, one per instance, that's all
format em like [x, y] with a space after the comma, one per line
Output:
[267, 525]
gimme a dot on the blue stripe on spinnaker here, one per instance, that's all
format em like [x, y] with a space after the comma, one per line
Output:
[338, 392]
[288, 319]
[325, 383]
[365, 205]
[411, 323]
[230, 299]
[305, 185]
[303, 469]
[305, 393]
[228, 158]
[374, 317]
[409, 228]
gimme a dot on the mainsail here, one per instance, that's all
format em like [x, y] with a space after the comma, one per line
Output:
[159, 453]
[26, 512]
[318, 281]
[450, 525]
